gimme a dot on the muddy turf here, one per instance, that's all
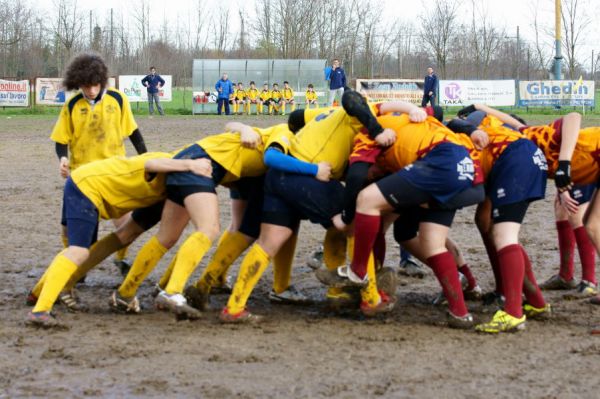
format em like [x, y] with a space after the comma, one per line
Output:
[296, 351]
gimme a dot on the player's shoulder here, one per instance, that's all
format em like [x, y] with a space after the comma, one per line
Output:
[117, 95]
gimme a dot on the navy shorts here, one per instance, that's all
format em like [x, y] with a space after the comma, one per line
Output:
[291, 197]
[149, 216]
[250, 189]
[182, 184]
[518, 175]
[582, 194]
[81, 216]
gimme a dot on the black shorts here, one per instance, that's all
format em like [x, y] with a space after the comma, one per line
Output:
[149, 216]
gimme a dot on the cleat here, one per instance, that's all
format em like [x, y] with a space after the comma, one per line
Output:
[595, 300]
[385, 305]
[196, 298]
[493, 298]
[341, 277]
[556, 282]
[502, 322]
[31, 299]
[156, 291]
[222, 286]
[291, 296]
[122, 305]
[460, 322]
[70, 300]
[338, 299]
[315, 260]
[473, 294]
[243, 317]
[537, 313]
[585, 289]
[410, 268]
[387, 281]
[41, 320]
[177, 304]
[123, 265]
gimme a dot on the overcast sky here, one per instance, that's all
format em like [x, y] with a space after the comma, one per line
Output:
[507, 13]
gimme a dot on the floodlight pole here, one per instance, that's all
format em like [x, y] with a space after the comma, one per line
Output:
[557, 36]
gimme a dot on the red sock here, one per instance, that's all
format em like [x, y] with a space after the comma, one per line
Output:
[379, 249]
[365, 233]
[532, 292]
[445, 270]
[512, 268]
[493, 256]
[466, 271]
[587, 255]
[566, 249]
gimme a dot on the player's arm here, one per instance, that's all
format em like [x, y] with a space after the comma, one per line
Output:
[502, 116]
[201, 167]
[276, 159]
[571, 123]
[249, 138]
[145, 81]
[138, 141]
[161, 80]
[356, 180]
[62, 152]
[415, 114]
[479, 138]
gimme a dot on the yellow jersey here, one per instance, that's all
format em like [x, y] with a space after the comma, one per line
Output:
[226, 149]
[252, 94]
[288, 94]
[311, 95]
[265, 95]
[239, 94]
[94, 132]
[275, 95]
[118, 185]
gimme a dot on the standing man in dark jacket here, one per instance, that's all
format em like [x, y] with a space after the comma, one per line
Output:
[153, 83]
[224, 89]
[429, 88]
[337, 82]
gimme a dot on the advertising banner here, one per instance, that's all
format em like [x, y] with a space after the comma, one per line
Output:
[50, 91]
[14, 93]
[544, 93]
[467, 92]
[132, 86]
[408, 90]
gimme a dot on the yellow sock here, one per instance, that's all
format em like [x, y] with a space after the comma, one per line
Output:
[283, 109]
[189, 255]
[145, 261]
[350, 248]
[293, 108]
[253, 266]
[270, 109]
[164, 279]
[37, 289]
[231, 245]
[282, 265]
[234, 108]
[122, 253]
[369, 294]
[59, 272]
[334, 248]
[64, 239]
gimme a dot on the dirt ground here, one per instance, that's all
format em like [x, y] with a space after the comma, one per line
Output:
[296, 352]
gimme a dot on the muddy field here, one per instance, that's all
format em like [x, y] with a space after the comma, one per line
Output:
[296, 352]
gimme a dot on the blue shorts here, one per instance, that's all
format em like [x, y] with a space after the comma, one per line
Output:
[81, 216]
[518, 175]
[182, 184]
[250, 189]
[291, 197]
[582, 194]
[444, 172]
[149, 216]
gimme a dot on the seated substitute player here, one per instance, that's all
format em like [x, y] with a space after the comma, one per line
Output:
[93, 124]
[275, 100]
[264, 99]
[252, 97]
[311, 97]
[288, 97]
[239, 99]
[106, 189]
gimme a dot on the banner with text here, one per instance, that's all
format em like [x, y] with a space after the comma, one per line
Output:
[408, 90]
[14, 93]
[467, 92]
[132, 86]
[50, 91]
[543, 93]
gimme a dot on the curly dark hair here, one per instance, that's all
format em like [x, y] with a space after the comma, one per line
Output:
[84, 70]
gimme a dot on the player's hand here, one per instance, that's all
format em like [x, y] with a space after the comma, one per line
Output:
[323, 171]
[571, 205]
[562, 177]
[338, 223]
[200, 167]
[464, 112]
[63, 167]
[480, 139]
[386, 138]
[417, 115]
[250, 139]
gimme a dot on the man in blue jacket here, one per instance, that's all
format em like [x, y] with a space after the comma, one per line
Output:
[429, 88]
[153, 83]
[224, 89]
[337, 82]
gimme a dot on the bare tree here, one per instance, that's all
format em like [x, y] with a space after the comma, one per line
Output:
[438, 28]
[485, 40]
[220, 29]
[575, 23]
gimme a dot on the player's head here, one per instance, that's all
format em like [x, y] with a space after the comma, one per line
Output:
[286, 84]
[310, 86]
[335, 63]
[430, 70]
[152, 70]
[86, 70]
[224, 76]
[436, 111]
[275, 86]
[266, 86]
[252, 84]
[296, 120]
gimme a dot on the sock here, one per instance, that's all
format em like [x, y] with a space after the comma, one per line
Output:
[466, 271]
[365, 233]
[334, 248]
[189, 255]
[587, 254]
[164, 279]
[64, 239]
[446, 272]
[231, 245]
[370, 294]
[37, 288]
[282, 265]
[532, 292]
[98, 252]
[235, 108]
[512, 266]
[350, 248]
[283, 109]
[566, 249]
[122, 253]
[379, 250]
[493, 256]
[59, 272]
[253, 266]
[293, 107]
[145, 261]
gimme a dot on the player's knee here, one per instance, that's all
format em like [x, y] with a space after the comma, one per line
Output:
[369, 198]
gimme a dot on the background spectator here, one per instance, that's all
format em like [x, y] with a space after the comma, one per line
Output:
[337, 82]
[429, 87]
[153, 83]
[224, 89]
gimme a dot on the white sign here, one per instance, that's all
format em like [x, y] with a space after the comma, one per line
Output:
[132, 86]
[556, 93]
[467, 92]
[50, 91]
[14, 93]
[376, 90]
